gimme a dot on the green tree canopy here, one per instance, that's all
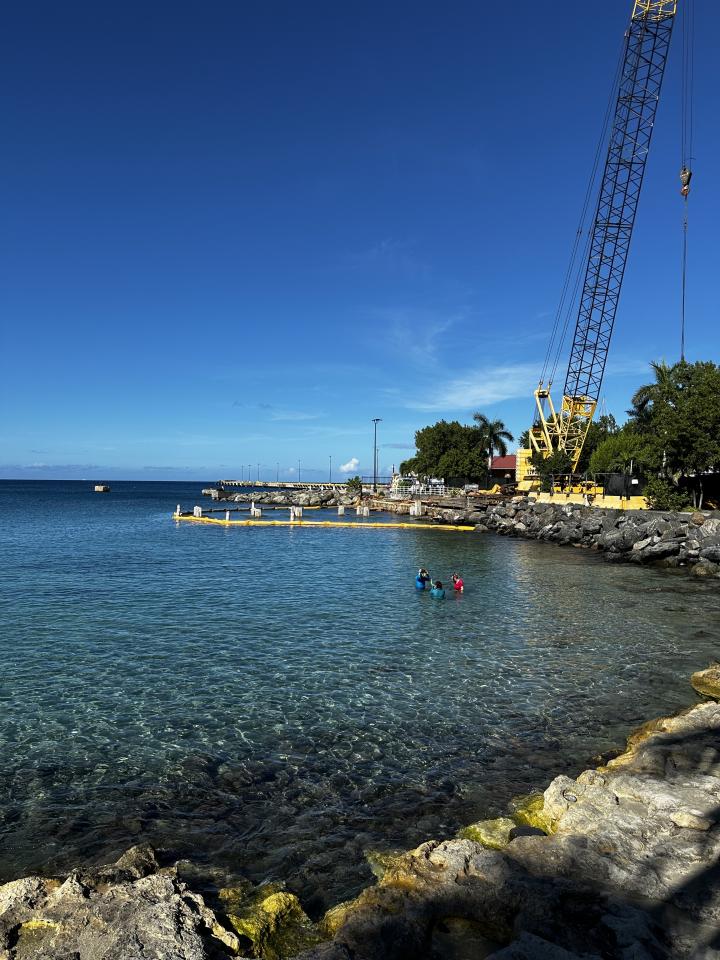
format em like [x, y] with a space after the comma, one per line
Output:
[605, 426]
[678, 417]
[620, 451]
[448, 449]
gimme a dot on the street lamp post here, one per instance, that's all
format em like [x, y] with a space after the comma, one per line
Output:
[258, 473]
[376, 421]
[330, 479]
[277, 472]
[298, 471]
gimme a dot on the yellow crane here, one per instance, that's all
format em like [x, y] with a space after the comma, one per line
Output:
[647, 42]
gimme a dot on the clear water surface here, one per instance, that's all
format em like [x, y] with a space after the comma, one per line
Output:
[275, 702]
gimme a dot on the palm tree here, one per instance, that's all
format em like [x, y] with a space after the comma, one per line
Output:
[493, 436]
[645, 397]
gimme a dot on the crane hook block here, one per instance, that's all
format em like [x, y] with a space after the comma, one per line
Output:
[685, 178]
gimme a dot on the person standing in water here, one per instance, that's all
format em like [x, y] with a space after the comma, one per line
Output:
[437, 590]
[458, 585]
[421, 579]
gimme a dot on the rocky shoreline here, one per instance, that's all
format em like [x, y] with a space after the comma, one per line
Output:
[622, 862]
[665, 539]
[689, 541]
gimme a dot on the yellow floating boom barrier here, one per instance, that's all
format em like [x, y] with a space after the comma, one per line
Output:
[318, 523]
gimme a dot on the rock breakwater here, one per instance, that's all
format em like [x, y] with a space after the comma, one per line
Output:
[635, 536]
[296, 498]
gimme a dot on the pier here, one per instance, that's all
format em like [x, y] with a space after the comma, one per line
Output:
[283, 484]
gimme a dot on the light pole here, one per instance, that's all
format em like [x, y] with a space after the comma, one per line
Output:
[277, 472]
[330, 479]
[258, 473]
[376, 421]
[249, 473]
[298, 471]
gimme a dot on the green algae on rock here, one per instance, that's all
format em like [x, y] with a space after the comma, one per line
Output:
[491, 834]
[269, 921]
[528, 811]
[380, 861]
[707, 682]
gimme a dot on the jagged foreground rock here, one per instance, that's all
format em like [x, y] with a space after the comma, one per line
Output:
[629, 869]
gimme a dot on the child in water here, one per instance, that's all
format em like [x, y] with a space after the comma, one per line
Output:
[421, 579]
[437, 590]
[458, 584]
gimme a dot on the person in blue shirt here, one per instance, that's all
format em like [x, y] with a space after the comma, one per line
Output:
[421, 579]
[437, 590]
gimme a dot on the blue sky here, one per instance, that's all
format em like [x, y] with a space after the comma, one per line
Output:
[234, 233]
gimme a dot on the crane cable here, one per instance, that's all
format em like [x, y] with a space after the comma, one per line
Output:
[686, 147]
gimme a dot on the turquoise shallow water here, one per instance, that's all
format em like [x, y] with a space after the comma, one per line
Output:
[276, 701]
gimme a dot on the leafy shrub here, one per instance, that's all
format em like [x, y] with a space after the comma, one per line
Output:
[662, 494]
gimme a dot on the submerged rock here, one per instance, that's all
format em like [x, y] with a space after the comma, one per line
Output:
[269, 921]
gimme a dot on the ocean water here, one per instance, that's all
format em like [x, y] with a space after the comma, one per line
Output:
[275, 702]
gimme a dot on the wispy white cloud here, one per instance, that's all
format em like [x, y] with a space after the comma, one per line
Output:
[352, 464]
[416, 332]
[479, 388]
[275, 413]
[387, 255]
[293, 415]
[627, 366]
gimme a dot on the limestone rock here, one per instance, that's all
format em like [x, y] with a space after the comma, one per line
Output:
[127, 910]
[707, 682]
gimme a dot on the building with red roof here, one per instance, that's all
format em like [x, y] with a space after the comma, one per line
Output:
[503, 468]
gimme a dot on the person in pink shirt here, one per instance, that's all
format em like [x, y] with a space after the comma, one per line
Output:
[458, 584]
